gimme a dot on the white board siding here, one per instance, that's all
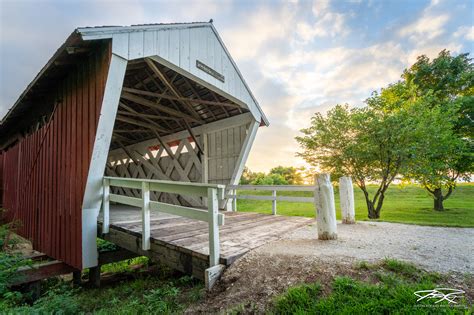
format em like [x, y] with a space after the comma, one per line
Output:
[224, 149]
[181, 47]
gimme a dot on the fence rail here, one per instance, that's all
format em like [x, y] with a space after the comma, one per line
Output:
[232, 194]
[213, 193]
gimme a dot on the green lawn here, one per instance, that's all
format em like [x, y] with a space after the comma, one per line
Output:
[385, 288]
[404, 204]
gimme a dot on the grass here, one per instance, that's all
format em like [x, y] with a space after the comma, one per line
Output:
[389, 289]
[133, 291]
[403, 204]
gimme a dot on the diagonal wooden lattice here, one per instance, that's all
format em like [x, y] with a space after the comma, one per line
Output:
[182, 164]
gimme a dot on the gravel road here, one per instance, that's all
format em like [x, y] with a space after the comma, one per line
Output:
[434, 248]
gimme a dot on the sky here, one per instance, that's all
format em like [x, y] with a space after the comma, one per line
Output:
[298, 57]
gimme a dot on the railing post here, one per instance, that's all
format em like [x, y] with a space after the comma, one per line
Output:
[145, 216]
[106, 206]
[213, 204]
[325, 207]
[346, 193]
[234, 201]
[274, 202]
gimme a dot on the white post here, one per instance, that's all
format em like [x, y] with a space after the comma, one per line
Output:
[213, 204]
[346, 193]
[325, 207]
[274, 202]
[229, 206]
[145, 216]
[234, 200]
[106, 206]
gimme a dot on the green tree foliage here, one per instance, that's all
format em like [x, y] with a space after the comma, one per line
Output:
[420, 127]
[292, 175]
[443, 90]
[365, 143]
[272, 178]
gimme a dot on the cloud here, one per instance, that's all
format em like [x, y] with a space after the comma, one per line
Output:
[296, 56]
[426, 28]
[466, 32]
[429, 26]
[266, 24]
[328, 23]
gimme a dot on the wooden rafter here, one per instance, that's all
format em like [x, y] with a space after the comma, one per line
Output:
[151, 116]
[131, 131]
[145, 102]
[179, 99]
[143, 84]
[191, 133]
[168, 83]
[139, 123]
[193, 90]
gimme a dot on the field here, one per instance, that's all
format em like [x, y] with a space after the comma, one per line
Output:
[403, 204]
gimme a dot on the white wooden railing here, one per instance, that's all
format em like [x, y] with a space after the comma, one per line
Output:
[213, 193]
[232, 194]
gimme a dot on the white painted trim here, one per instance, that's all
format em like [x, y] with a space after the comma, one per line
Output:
[274, 202]
[93, 190]
[263, 117]
[106, 207]
[91, 33]
[145, 216]
[244, 153]
[272, 187]
[213, 212]
[273, 197]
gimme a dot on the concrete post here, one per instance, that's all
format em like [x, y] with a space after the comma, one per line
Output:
[325, 207]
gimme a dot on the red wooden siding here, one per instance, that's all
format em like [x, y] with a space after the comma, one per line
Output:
[45, 173]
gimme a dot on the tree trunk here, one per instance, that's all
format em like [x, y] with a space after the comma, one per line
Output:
[379, 205]
[373, 214]
[438, 199]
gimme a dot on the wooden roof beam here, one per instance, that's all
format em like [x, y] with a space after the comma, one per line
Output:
[151, 116]
[180, 99]
[144, 102]
[143, 84]
[151, 64]
[139, 123]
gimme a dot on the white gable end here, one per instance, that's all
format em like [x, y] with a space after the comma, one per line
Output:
[180, 47]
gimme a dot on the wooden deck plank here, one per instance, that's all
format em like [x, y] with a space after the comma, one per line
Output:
[169, 235]
[183, 243]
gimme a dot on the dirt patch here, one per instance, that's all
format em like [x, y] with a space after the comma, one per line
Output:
[254, 279]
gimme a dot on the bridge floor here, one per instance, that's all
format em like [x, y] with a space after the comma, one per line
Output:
[183, 243]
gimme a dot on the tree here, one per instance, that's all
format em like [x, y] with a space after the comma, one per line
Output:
[292, 175]
[442, 89]
[270, 179]
[247, 176]
[260, 178]
[365, 143]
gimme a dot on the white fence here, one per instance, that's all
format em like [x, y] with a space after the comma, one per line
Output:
[212, 192]
[274, 197]
[346, 193]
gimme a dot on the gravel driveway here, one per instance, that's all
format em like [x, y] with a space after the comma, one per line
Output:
[434, 248]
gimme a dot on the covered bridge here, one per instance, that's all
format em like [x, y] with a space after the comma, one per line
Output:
[163, 107]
